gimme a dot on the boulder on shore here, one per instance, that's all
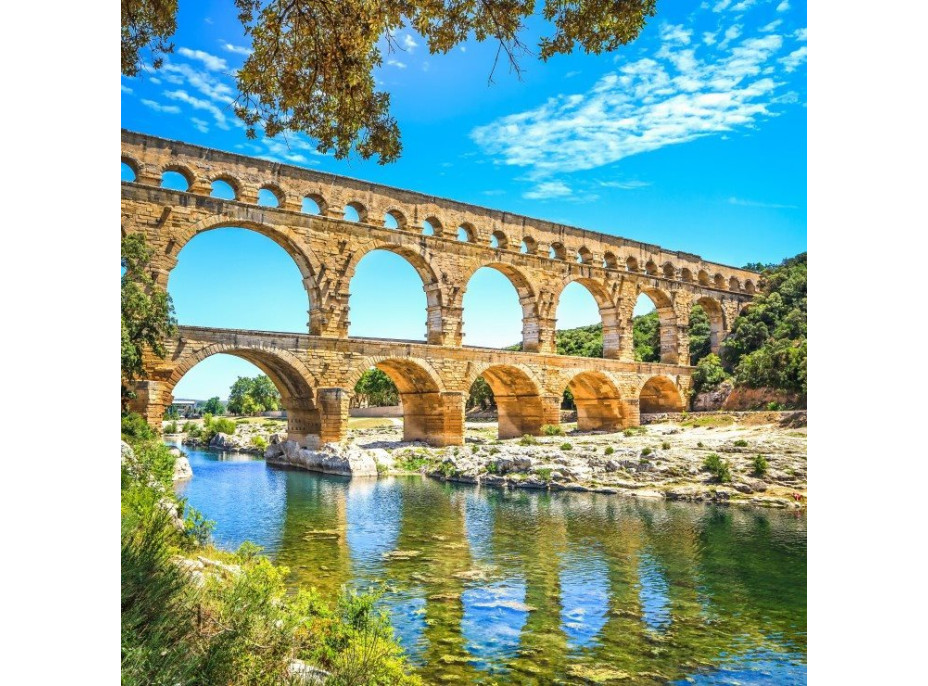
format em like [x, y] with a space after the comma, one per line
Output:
[182, 469]
[331, 458]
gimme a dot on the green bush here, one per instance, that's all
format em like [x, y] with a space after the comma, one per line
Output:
[528, 440]
[718, 467]
[709, 374]
[552, 430]
[740, 443]
[190, 427]
[544, 473]
[492, 468]
[170, 427]
[665, 445]
[566, 446]
[259, 442]
[774, 406]
[699, 444]
[135, 426]
[760, 465]
[609, 450]
[646, 451]
[223, 425]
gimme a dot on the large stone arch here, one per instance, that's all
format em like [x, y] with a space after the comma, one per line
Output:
[518, 394]
[428, 275]
[667, 317]
[528, 299]
[608, 312]
[660, 394]
[287, 372]
[283, 236]
[599, 402]
[430, 413]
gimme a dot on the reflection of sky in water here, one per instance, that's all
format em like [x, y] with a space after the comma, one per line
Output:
[373, 514]
[494, 615]
[478, 517]
[251, 497]
[759, 667]
[584, 583]
[407, 615]
[653, 594]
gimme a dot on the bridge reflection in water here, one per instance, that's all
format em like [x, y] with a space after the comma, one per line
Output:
[530, 587]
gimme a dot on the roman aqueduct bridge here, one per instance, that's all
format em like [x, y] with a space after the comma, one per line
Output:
[446, 242]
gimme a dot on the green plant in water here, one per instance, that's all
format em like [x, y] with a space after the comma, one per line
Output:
[760, 465]
[718, 467]
[447, 469]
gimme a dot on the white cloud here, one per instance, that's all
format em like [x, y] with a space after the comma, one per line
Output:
[571, 74]
[211, 62]
[200, 125]
[754, 203]
[124, 88]
[721, 6]
[676, 95]
[286, 150]
[396, 63]
[731, 33]
[709, 38]
[409, 43]
[772, 26]
[183, 96]
[207, 84]
[155, 80]
[801, 34]
[630, 185]
[548, 189]
[237, 49]
[675, 33]
[743, 5]
[158, 107]
[792, 61]
[783, 6]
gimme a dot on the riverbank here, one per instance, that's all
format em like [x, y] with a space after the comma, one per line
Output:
[744, 458]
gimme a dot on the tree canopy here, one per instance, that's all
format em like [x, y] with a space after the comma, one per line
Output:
[312, 61]
[147, 310]
[253, 395]
[376, 389]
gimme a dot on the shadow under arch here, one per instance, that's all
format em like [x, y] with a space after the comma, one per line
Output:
[518, 399]
[425, 417]
[598, 401]
[608, 313]
[527, 300]
[660, 394]
[288, 374]
[284, 237]
[428, 276]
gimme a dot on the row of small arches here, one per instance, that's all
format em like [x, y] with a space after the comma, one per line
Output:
[179, 178]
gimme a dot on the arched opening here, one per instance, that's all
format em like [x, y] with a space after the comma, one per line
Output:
[557, 251]
[268, 197]
[394, 220]
[420, 395]
[584, 256]
[466, 233]
[749, 287]
[128, 172]
[654, 328]
[703, 277]
[660, 394]
[686, 275]
[498, 240]
[498, 304]
[312, 204]
[515, 397]
[431, 227]
[224, 189]
[631, 264]
[354, 212]
[208, 288]
[175, 181]
[650, 268]
[719, 282]
[387, 298]
[587, 321]
[529, 246]
[610, 261]
[706, 327]
[669, 271]
[598, 403]
[249, 382]
[734, 284]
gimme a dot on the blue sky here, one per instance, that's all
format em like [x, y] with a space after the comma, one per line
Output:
[692, 137]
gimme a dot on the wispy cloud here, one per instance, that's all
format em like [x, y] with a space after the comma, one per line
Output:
[198, 104]
[630, 185]
[548, 189]
[207, 84]
[396, 63]
[211, 62]
[409, 43]
[237, 49]
[124, 88]
[200, 125]
[792, 61]
[755, 203]
[783, 6]
[158, 107]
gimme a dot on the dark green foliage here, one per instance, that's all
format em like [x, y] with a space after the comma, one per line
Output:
[646, 334]
[566, 446]
[481, 395]
[544, 473]
[376, 389]
[253, 395]
[700, 334]
[665, 445]
[646, 451]
[528, 439]
[552, 430]
[767, 344]
[709, 374]
[760, 465]
[609, 450]
[718, 467]
[740, 443]
[214, 406]
[170, 428]
[135, 426]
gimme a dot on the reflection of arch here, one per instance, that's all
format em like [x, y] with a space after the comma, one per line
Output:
[420, 388]
[608, 313]
[283, 236]
[716, 315]
[288, 374]
[660, 394]
[599, 404]
[518, 399]
[668, 324]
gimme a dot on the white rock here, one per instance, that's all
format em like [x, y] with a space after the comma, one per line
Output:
[182, 469]
[332, 458]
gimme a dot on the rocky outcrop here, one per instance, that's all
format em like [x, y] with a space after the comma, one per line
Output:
[223, 441]
[331, 458]
[182, 469]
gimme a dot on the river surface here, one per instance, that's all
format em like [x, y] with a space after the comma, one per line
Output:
[528, 587]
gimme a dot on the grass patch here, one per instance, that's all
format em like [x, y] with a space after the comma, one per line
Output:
[566, 446]
[665, 445]
[528, 439]
[544, 474]
[646, 451]
[552, 430]
[740, 443]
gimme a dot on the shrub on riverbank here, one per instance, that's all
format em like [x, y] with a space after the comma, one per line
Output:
[718, 467]
[193, 614]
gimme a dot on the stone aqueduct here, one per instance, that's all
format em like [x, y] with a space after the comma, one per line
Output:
[316, 372]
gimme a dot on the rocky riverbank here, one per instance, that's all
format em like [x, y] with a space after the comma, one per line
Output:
[752, 458]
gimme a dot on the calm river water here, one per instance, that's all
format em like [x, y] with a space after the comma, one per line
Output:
[527, 587]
